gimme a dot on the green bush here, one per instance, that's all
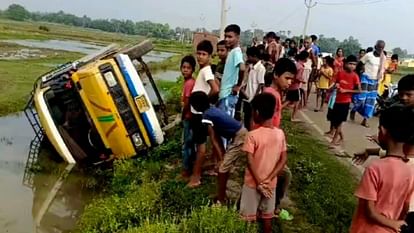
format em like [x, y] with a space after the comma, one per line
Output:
[178, 200]
[321, 186]
[213, 219]
[157, 227]
[216, 219]
[44, 28]
[116, 213]
[126, 173]
[170, 149]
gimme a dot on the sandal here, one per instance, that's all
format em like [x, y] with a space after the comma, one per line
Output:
[285, 215]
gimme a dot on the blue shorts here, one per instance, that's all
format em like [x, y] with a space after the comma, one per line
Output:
[228, 104]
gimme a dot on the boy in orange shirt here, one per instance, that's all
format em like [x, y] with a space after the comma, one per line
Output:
[387, 184]
[266, 153]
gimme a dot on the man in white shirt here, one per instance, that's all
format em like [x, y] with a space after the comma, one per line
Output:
[374, 69]
[375, 62]
[254, 83]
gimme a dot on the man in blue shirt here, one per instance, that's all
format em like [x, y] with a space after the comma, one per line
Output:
[315, 48]
[233, 71]
[216, 124]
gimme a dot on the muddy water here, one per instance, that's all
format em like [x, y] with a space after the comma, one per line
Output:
[81, 47]
[65, 45]
[46, 200]
[37, 200]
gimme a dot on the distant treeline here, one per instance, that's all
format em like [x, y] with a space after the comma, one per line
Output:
[147, 28]
[144, 28]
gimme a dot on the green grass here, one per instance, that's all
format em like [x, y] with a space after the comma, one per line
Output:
[402, 71]
[321, 191]
[322, 186]
[17, 77]
[30, 30]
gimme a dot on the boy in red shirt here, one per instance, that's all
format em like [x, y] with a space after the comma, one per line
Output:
[266, 153]
[346, 81]
[293, 93]
[188, 64]
[277, 82]
[387, 185]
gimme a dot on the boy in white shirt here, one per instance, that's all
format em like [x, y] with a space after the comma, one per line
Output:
[254, 84]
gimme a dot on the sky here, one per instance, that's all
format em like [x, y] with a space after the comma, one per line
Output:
[366, 20]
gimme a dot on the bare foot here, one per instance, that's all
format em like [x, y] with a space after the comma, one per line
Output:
[365, 124]
[194, 182]
[329, 134]
[352, 116]
[333, 144]
[295, 120]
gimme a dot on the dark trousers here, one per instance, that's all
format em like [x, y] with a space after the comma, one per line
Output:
[247, 111]
[238, 109]
[410, 224]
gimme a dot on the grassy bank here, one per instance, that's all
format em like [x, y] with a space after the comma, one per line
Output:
[17, 77]
[402, 71]
[31, 30]
[147, 195]
[322, 187]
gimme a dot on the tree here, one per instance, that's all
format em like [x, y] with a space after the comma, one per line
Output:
[351, 46]
[329, 45]
[17, 12]
[402, 53]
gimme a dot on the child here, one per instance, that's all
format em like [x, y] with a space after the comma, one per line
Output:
[293, 93]
[387, 185]
[205, 83]
[283, 73]
[222, 52]
[188, 64]
[346, 81]
[405, 97]
[254, 84]
[325, 77]
[233, 71]
[218, 124]
[266, 153]
[205, 78]
[409, 151]
[359, 99]
[285, 70]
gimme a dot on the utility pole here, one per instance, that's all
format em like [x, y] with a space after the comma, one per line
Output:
[223, 18]
[254, 25]
[309, 4]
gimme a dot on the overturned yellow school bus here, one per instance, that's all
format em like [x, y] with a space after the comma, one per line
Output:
[97, 108]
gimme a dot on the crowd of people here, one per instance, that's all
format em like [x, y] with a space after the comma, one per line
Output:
[236, 107]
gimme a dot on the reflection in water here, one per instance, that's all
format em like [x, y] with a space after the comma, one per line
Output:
[60, 193]
[51, 196]
[49, 208]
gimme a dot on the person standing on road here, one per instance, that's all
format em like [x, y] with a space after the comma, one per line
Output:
[273, 47]
[339, 60]
[309, 71]
[346, 81]
[391, 67]
[374, 69]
